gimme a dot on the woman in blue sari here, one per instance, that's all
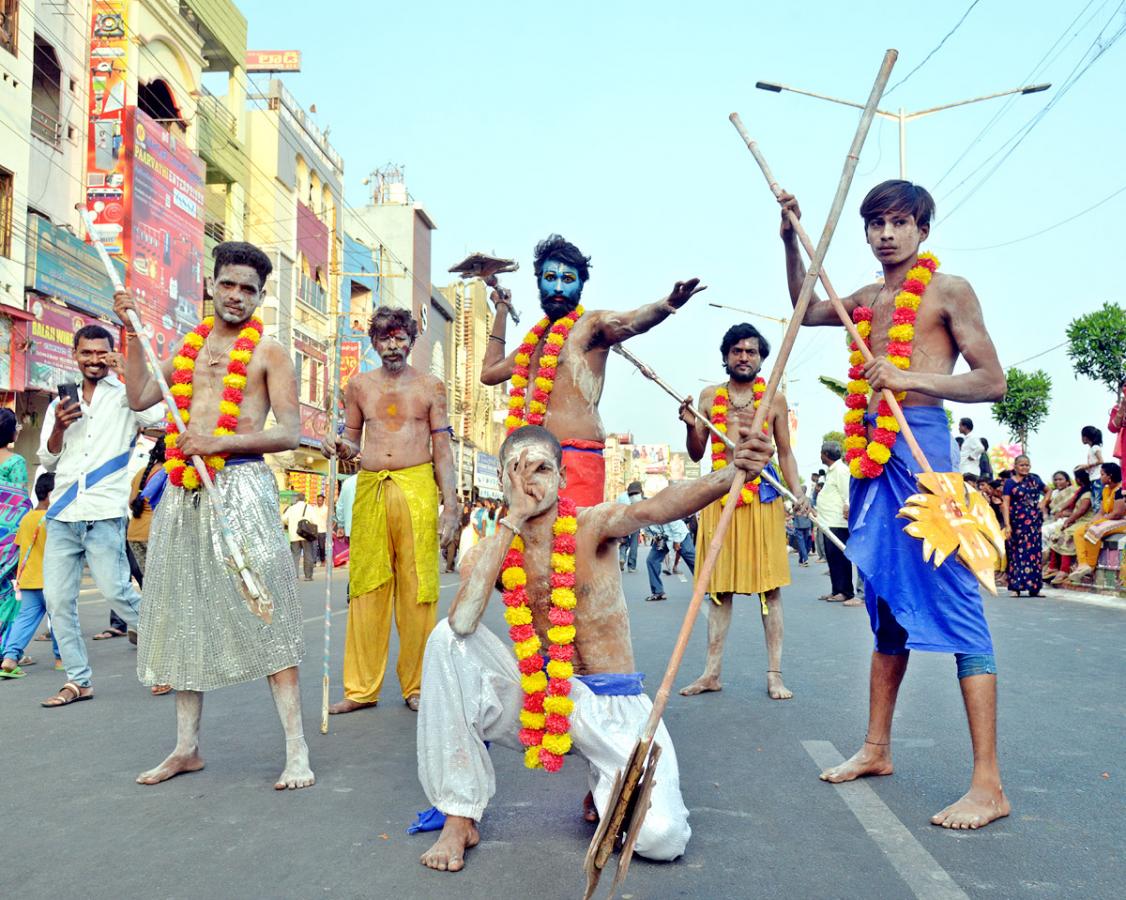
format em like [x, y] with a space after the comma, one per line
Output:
[1024, 518]
[14, 504]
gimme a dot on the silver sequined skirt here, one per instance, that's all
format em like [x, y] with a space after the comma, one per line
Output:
[196, 631]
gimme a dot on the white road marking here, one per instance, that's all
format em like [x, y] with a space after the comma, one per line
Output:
[926, 879]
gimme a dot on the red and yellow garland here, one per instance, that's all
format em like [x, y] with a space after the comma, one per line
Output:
[547, 705]
[180, 472]
[523, 410]
[718, 416]
[866, 459]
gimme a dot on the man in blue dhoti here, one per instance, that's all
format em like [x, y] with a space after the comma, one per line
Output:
[917, 324]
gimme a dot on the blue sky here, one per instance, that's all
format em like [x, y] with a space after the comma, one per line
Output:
[607, 122]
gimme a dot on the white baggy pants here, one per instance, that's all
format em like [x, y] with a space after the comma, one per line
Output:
[471, 693]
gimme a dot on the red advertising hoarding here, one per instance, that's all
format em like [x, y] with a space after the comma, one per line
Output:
[273, 60]
[50, 357]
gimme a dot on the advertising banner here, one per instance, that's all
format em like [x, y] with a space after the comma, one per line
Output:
[66, 268]
[273, 60]
[349, 362]
[165, 231]
[314, 424]
[50, 360]
[486, 476]
[106, 181]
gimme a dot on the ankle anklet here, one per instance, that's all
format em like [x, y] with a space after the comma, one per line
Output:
[877, 743]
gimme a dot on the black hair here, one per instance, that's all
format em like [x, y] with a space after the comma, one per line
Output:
[1083, 479]
[898, 196]
[93, 333]
[8, 422]
[156, 458]
[387, 318]
[960, 439]
[556, 247]
[967, 422]
[1063, 473]
[530, 434]
[741, 332]
[240, 253]
[1093, 434]
[970, 478]
[984, 444]
[1113, 470]
[44, 484]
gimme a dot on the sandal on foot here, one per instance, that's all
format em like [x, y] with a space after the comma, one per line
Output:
[412, 702]
[159, 690]
[26, 661]
[69, 693]
[108, 634]
[17, 672]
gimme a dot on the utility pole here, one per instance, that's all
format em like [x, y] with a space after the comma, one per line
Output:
[902, 117]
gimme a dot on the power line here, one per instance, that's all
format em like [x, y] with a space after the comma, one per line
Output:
[926, 58]
[1037, 355]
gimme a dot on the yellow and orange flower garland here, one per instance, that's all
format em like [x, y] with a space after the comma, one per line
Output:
[718, 416]
[866, 459]
[523, 410]
[180, 472]
[545, 721]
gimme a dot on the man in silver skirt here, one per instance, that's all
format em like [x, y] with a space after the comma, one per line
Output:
[197, 632]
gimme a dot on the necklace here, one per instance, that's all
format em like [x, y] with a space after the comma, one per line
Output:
[524, 410]
[544, 720]
[718, 416]
[215, 360]
[180, 473]
[866, 459]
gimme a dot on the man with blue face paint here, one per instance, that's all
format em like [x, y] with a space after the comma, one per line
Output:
[558, 372]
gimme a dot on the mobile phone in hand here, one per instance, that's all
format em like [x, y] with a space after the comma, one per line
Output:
[69, 392]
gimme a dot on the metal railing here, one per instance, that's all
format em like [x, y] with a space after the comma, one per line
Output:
[46, 126]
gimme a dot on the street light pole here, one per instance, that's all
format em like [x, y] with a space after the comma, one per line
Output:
[902, 117]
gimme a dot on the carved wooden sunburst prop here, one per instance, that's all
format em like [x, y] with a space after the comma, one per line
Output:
[950, 518]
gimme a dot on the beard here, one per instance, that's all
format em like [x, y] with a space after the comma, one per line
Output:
[738, 376]
[233, 318]
[557, 307]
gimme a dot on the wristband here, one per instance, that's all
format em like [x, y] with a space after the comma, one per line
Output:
[507, 523]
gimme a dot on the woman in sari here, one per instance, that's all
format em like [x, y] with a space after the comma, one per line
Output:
[1057, 506]
[1061, 544]
[1024, 518]
[14, 504]
[1089, 538]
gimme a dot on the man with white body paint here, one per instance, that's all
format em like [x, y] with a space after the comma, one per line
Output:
[471, 686]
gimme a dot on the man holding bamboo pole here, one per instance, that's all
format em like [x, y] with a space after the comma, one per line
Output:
[562, 590]
[917, 323]
[197, 632]
[753, 559]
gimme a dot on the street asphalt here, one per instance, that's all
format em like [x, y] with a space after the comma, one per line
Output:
[77, 826]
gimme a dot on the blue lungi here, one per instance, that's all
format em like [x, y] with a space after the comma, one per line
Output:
[940, 609]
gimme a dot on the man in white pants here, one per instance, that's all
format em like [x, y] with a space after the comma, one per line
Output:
[472, 690]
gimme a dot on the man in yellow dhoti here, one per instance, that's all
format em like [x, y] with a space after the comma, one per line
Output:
[753, 558]
[407, 460]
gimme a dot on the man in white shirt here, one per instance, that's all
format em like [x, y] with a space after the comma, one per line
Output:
[671, 536]
[88, 446]
[319, 517]
[301, 546]
[832, 511]
[969, 456]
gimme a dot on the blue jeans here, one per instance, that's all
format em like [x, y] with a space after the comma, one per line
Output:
[101, 545]
[627, 552]
[32, 609]
[804, 538]
[656, 557]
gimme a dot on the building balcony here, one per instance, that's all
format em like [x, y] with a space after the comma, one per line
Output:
[46, 126]
[223, 29]
[218, 143]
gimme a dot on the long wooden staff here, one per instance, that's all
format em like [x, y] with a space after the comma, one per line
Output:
[330, 533]
[253, 589]
[610, 828]
[720, 436]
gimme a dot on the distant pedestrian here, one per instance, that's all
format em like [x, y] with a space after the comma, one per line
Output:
[302, 528]
[985, 467]
[627, 549]
[970, 450]
[1024, 518]
[88, 444]
[1061, 546]
[1117, 422]
[1092, 438]
[1089, 538]
[832, 511]
[672, 536]
[803, 535]
[14, 504]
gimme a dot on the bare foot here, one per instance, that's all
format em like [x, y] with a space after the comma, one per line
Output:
[701, 685]
[347, 706]
[775, 688]
[297, 773]
[868, 760]
[590, 811]
[976, 809]
[176, 764]
[448, 852]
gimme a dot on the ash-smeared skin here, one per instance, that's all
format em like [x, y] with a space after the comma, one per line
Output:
[573, 410]
[271, 385]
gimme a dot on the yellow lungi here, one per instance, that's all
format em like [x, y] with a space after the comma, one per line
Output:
[753, 558]
[394, 570]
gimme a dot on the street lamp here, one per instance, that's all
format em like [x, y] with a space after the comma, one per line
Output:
[902, 117]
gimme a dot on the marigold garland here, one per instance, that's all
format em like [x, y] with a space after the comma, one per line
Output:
[866, 459]
[523, 410]
[545, 723]
[718, 416]
[180, 472]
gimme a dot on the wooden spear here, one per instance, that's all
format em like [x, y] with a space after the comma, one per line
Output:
[634, 784]
[719, 435]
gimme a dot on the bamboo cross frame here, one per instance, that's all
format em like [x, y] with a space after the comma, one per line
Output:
[719, 435]
[834, 298]
[603, 842]
[258, 601]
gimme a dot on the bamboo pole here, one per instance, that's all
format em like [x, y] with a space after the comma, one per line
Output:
[258, 601]
[719, 435]
[834, 298]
